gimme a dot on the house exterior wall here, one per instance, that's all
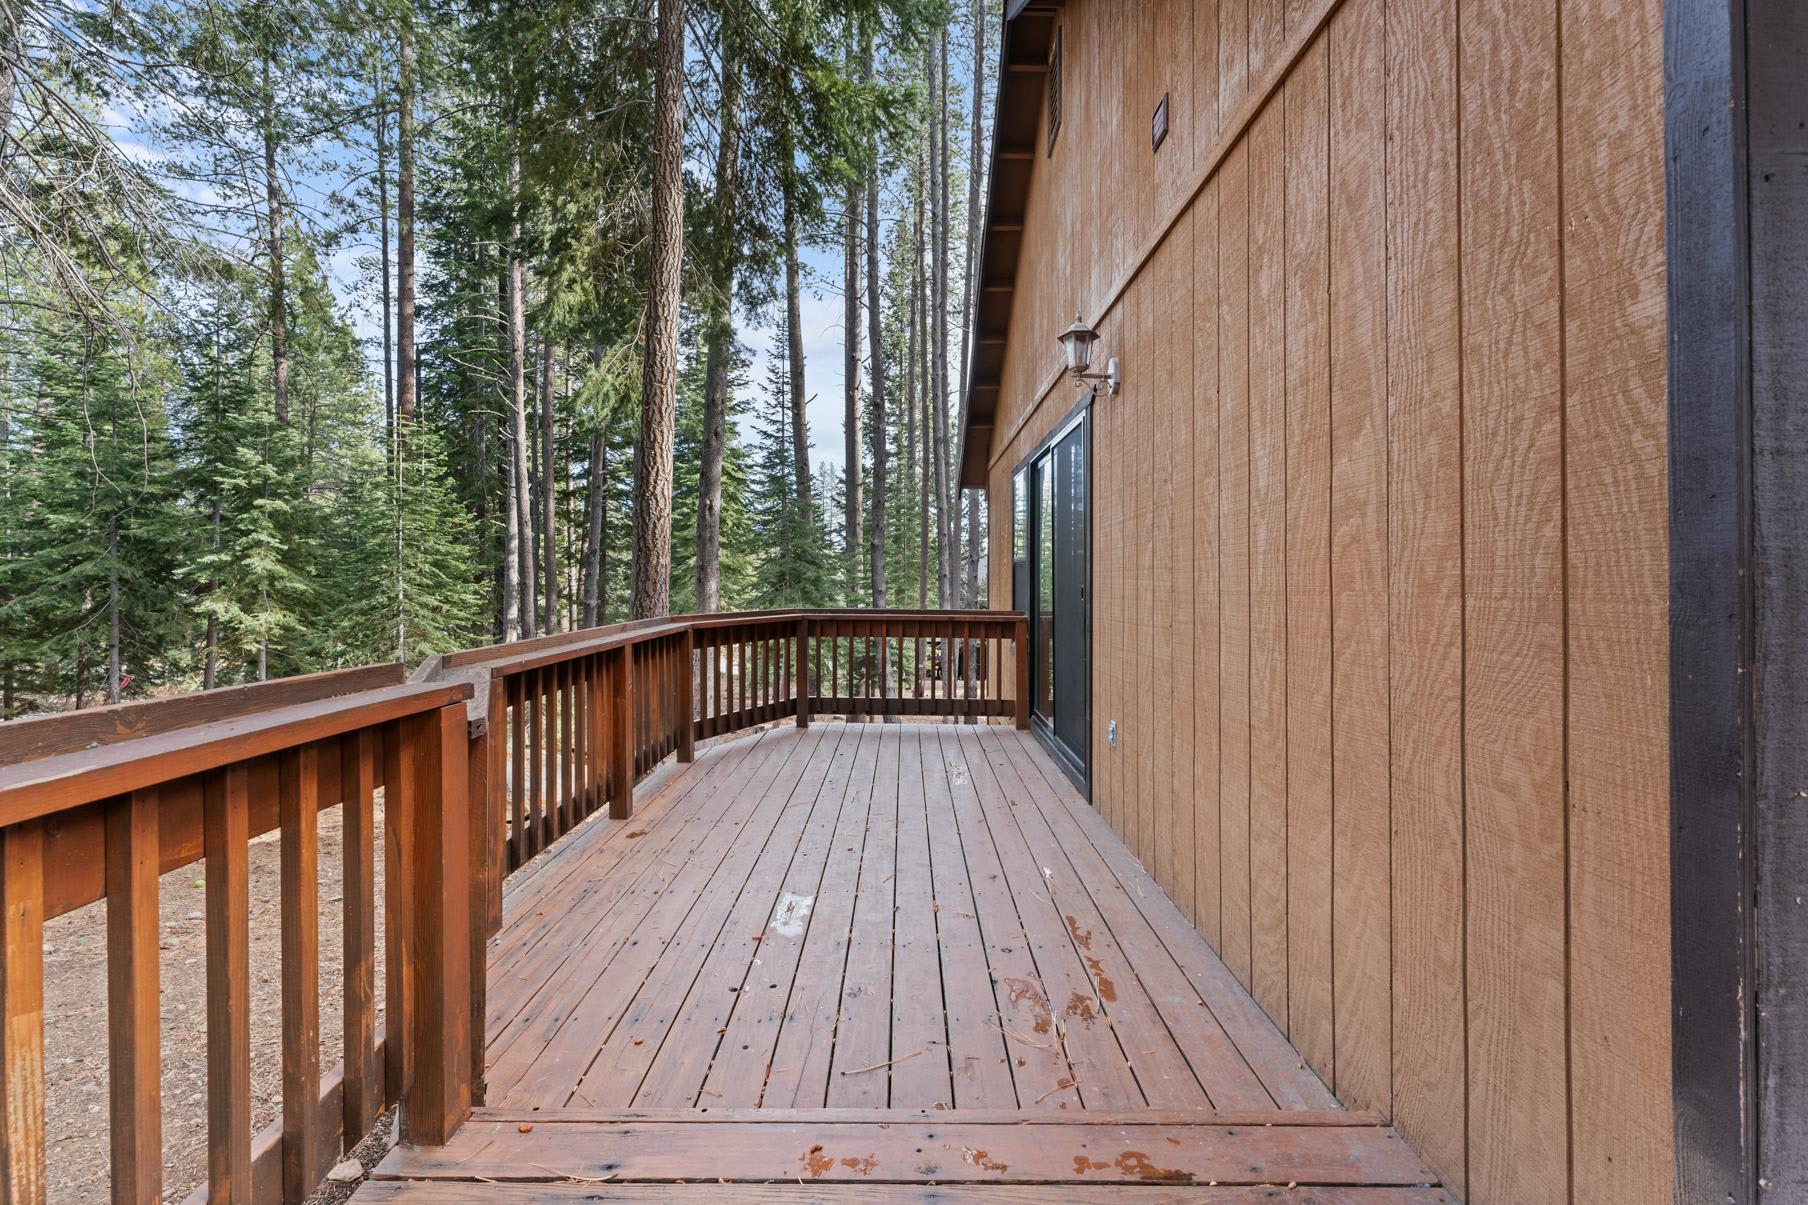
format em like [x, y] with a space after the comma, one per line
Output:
[1379, 539]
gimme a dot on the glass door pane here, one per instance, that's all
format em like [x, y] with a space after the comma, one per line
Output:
[1044, 569]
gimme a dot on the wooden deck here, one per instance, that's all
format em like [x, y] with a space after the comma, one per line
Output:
[861, 955]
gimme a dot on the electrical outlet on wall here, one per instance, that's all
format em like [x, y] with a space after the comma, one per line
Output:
[1111, 733]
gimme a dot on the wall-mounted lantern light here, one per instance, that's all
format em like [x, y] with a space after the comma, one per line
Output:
[1076, 341]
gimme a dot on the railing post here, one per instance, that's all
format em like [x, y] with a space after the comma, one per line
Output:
[133, 1036]
[439, 1096]
[1022, 642]
[803, 672]
[687, 702]
[226, 803]
[22, 1013]
[621, 734]
[495, 782]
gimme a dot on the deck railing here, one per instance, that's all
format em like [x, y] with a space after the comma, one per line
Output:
[96, 805]
[485, 758]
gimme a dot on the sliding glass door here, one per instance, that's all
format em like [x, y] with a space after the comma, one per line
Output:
[1059, 572]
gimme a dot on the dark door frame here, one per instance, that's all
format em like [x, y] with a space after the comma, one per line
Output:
[1076, 764]
[1736, 210]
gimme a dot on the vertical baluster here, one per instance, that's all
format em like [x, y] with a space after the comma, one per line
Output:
[133, 1036]
[663, 652]
[574, 757]
[599, 730]
[517, 785]
[357, 775]
[580, 739]
[22, 1176]
[298, 796]
[621, 750]
[545, 691]
[637, 706]
[756, 660]
[1022, 641]
[398, 875]
[531, 754]
[712, 708]
[687, 705]
[567, 763]
[802, 671]
[496, 802]
[555, 754]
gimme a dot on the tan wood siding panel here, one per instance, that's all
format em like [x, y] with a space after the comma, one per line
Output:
[1513, 599]
[1618, 579]
[1233, 552]
[1359, 636]
[1268, 565]
[1380, 540]
[1425, 573]
[1308, 578]
[1177, 625]
[1204, 634]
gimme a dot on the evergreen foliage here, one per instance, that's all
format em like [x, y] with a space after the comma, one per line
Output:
[206, 472]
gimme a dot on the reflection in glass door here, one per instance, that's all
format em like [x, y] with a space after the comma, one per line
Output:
[1058, 615]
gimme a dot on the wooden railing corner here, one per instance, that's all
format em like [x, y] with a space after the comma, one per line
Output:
[439, 1096]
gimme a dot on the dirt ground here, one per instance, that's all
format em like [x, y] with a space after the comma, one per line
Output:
[75, 1022]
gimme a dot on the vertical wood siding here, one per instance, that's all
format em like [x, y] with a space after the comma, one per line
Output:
[1379, 593]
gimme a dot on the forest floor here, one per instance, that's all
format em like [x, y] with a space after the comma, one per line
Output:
[75, 1020]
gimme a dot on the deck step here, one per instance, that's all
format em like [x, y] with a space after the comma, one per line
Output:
[827, 1148]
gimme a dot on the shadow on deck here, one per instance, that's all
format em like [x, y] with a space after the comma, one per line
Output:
[857, 961]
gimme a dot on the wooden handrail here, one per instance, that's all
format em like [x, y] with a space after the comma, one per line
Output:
[65, 780]
[184, 792]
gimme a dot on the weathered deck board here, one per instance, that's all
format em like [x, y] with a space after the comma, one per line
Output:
[917, 940]
[942, 1151]
[806, 907]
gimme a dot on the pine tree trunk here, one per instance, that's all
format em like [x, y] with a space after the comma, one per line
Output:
[549, 458]
[511, 522]
[974, 543]
[273, 208]
[725, 253]
[596, 499]
[210, 666]
[794, 351]
[517, 401]
[975, 169]
[912, 348]
[876, 345]
[389, 398]
[405, 370]
[920, 402]
[945, 527]
[852, 502]
[113, 657]
[659, 372]
[11, 14]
